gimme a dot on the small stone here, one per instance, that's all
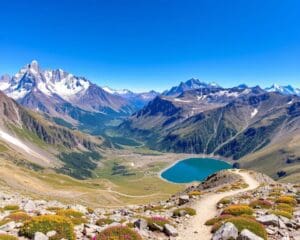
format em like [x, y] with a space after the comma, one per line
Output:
[51, 233]
[141, 224]
[30, 206]
[247, 235]
[40, 236]
[184, 199]
[270, 219]
[170, 230]
[156, 226]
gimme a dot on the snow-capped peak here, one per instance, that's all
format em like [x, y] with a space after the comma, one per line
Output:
[116, 91]
[48, 82]
[288, 89]
[34, 66]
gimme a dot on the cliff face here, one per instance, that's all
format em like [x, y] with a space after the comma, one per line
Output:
[15, 116]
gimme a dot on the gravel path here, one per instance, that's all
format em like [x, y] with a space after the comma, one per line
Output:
[194, 229]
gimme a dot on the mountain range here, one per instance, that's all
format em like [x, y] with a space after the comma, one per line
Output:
[232, 123]
[257, 128]
[69, 99]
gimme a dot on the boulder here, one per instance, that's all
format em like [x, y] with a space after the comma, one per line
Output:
[226, 232]
[79, 208]
[30, 206]
[269, 219]
[170, 230]
[8, 226]
[183, 199]
[247, 235]
[40, 236]
[141, 224]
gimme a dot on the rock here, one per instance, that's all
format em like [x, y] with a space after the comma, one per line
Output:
[157, 227]
[270, 219]
[40, 236]
[8, 226]
[184, 199]
[30, 206]
[247, 235]
[79, 208]
[226, 232]
[141, 224]
[296, 235]
[270, 231]
[170, 230]
[51, 233]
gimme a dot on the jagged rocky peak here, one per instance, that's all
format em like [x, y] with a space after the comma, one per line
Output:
[287, 89]
[188, 85]
[34, 66]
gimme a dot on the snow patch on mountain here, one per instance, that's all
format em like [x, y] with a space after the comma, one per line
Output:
[254, 112]
[116, 91]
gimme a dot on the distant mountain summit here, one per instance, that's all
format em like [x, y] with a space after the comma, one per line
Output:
[190, 84]
[287, 90]
[62, 95]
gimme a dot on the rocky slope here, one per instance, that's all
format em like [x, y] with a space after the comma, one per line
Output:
[39, 141]
[68, 98]
[161, 220]
[232, 123]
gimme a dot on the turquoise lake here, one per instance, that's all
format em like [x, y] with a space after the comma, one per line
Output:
[193, 169]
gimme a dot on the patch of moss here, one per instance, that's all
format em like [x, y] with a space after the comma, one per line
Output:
[284, 207]
[187, 210]
[18, 217]
[104, 221]
[242, 223]
[281, 213]
[194, 193]
[216, 220]
[62, 225]
[260, 204]
[11, 207]
[118, 233]
[287, 200]
[238, 210]
[7, 237]
[153, 222]
[75, 216]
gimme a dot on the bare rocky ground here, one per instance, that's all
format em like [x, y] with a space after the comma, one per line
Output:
[164, 220]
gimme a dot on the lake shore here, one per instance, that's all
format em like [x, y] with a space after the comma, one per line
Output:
[229, 161]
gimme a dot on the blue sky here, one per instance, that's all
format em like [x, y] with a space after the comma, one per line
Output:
[155, 44]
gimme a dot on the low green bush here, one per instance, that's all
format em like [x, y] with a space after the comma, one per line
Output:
[225, 201]
[75, 216]
[118, 233]
[62, 225]
[284, 207]
[159, 221]
[7, 237]
[18, 217]
[238, 210]
[195, 193]
[242, 223]
[104, 221]
[261, 204]
[219, 219]
[187, 210]
[281, 213]
[4, 221]
[11, 208]
[287, 200]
